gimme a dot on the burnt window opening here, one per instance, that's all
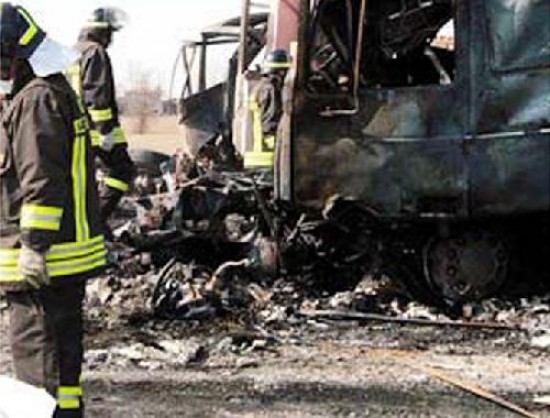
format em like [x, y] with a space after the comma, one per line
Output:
[519, 34]
[403, 44]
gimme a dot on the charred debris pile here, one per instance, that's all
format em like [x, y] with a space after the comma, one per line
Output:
[194, 243]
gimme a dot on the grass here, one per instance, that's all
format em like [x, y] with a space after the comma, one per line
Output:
[162, 133]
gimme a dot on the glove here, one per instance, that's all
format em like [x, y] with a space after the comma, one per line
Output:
[32, 265]
[107, 141]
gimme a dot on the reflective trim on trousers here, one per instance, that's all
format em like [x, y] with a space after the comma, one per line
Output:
[68, 397]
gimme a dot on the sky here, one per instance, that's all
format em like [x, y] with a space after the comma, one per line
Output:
[150, 42]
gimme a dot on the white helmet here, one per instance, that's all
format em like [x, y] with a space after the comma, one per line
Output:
[107, 18]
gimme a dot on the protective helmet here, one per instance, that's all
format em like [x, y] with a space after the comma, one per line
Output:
[107, 18]
[21, 37]
[277, 59]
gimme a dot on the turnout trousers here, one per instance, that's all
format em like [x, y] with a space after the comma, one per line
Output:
[46, 341]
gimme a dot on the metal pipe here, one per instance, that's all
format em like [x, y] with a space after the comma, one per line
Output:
[346, 315]
[473, 389]
[239, 100]
[243, 36]
[359, 48]
[356, 68]
[202, 69]
[444, 77]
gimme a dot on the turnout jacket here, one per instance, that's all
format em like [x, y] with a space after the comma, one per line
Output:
[92, 78]
[48, 195]
[269, 99]
[266, 107]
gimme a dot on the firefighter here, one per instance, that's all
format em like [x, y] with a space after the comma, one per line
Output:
[50, 222]
[92, 79]
[266, 105]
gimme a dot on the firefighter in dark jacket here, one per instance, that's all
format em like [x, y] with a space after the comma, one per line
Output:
[92, 79]
[50, 224]
[266, 106]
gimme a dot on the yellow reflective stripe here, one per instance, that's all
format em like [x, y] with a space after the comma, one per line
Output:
[101, 115]
[253, 104]
[9, 257]
[95, 137]
[35, 209]
[31, 32]
[12, 275]
[69, 391]
[41, 217]
[269, 142]
[82, 108]
[72, 246]
[257, 125]
[258, 159]
[117, 184]
[75, 266]
[68, 402]
[64, 250]
[60, 268]
[6, 277]
[81, 126]
[262, 148]
[37, 223]
[76, 253]
[90, 24]
[73, 75]
[79, 188]
[277, 65]
[120, 137]
[84, 187]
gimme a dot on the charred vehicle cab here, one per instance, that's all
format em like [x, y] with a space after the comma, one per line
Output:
[455, 141]
[206, 102]
[417, 131]
[445, 139]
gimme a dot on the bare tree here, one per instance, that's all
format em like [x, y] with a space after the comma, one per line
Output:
[142, 100]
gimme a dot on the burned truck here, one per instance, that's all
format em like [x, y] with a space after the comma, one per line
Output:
[445, 145]
[206, 103]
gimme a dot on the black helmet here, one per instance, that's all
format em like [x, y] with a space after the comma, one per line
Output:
[277, 59]
[107, 18]
[21, 37]
[19, 33]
